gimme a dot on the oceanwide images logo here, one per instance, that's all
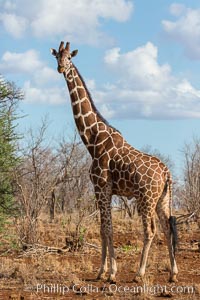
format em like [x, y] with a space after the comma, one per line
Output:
[113, 288]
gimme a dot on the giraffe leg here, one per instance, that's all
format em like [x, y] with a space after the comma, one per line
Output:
[104, 267]
[149, 233]
[107, 241]
[113, 264]
[163, 215]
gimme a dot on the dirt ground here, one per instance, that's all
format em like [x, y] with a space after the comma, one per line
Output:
[45, 273]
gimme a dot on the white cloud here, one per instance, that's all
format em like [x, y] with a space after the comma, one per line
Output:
[177, 9]
[112, 56]
[91, 84]
[75, 20]
[185, 29]
[9, 5]
[141, 88]
[13, 24]
[43, 95]
[26, 62]
[139, 67]
[46, 76]
[145, 88]
[43, 83]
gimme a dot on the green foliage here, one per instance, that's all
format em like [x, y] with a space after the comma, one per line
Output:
[9, 239]
[82, 232]
[9, 98]
[3, 222]
[127, 248]
[130, 248]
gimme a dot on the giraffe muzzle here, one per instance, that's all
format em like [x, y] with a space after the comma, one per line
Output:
[61, 69]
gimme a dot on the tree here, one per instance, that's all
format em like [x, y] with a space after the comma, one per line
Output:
[189, 191]
[35, 179]
[76, 189]
[10, 95]
[48, 175]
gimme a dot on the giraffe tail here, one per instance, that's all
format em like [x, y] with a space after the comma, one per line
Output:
[174, 233]
[172, 219]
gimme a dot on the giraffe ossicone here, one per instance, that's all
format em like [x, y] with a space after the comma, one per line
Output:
[119, 169]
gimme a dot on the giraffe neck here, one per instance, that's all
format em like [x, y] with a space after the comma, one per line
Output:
[87, 118]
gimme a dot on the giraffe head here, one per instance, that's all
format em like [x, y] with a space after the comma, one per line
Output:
[63, 56]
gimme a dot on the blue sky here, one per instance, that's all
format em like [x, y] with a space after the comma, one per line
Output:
[140, 60]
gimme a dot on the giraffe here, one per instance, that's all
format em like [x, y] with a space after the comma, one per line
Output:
[119, 169]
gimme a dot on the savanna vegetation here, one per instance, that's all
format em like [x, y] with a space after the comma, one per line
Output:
[49, 224]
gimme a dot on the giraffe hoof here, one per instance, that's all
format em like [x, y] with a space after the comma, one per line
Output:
[137, 279]
[101, 276]
[173, 278]
[112, 280]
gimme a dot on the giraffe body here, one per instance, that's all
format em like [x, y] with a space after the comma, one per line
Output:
[118, 169]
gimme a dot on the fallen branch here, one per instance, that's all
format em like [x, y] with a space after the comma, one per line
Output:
[92, 214]
[30, 249]
[185, 218]
[92, 245]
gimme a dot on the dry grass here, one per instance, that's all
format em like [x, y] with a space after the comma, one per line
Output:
[22, 269]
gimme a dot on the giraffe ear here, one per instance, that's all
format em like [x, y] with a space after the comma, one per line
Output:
[53, 52]
[74, 53]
